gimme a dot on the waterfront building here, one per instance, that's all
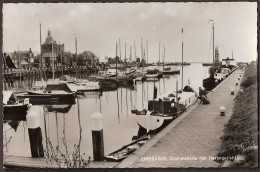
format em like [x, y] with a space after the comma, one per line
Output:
[229, 63]
[21, 59]
[52, 52]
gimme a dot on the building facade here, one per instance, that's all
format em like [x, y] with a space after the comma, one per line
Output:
[21, 59]
[51, 52]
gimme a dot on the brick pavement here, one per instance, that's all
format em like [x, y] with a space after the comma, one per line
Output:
[195, 134]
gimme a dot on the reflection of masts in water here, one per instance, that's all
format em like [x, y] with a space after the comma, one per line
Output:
[45, 129]
[163, 85]
[64, 138]
[57, 130]
[147, 91]
[126, 100]
[160, 87]
[121, 95]
[142, 95]
[135, 92]
[117, 106]
[131, 98]
[80, 130]
[100, 104]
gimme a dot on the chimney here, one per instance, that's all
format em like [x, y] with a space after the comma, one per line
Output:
[49, 33]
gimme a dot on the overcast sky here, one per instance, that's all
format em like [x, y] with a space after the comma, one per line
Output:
[99, 25]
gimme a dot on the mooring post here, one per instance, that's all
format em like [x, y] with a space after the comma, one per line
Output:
[97, 136]
[222, 111]
[232, 91]
[35, 133]
[236, 83]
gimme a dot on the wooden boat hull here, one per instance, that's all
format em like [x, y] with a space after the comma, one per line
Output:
[48, 98]
[122, 153]
[151, 75]
[171, 72]
[209, 83]
[15, 112]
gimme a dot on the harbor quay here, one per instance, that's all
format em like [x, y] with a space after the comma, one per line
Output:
[193, 139]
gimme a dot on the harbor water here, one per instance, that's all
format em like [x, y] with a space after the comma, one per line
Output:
[64, 126]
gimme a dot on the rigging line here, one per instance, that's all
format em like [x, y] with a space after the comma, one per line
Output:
[80, 129]
[209, 53]
[57, 129]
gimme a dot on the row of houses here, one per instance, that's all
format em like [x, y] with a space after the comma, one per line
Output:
[51, 54]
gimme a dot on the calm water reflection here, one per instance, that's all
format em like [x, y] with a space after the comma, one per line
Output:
[63, 122]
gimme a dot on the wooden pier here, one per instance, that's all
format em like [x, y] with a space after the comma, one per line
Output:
[26, 162]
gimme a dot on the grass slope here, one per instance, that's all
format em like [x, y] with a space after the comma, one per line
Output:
[241, 132]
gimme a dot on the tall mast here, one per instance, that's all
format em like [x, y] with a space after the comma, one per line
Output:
[142, 48]
[41, 44]
[130, 58]
[76, 57]
[135, 49]
[159, 52]
[213, 45]
[52, 60]
[163, 55]
[116, 58]
[147, 52]
[232, 54]
[119, 49]
[125, 51]
[182, 61]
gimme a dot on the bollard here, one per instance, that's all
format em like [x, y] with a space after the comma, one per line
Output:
[238, 78]
[97, 136]
[236, 83]
[232, 91]
[222, 111]
[35, 133]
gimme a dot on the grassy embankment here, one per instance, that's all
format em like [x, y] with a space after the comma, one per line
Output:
[240, 136]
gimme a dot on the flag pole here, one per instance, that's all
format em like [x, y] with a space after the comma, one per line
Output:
[182, 61]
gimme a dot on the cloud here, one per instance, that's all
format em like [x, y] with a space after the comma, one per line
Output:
[99, 25]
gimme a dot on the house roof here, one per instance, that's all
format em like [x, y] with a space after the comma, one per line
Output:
[23, 62]
[16, 54]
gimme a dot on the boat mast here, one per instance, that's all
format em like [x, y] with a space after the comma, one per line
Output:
[116, 58]
[163, 55]
[182, 61]
[130, 58]
[125, 55]
[135, 49]
[142, 53]
[213, 43]
[41, 44]
[76, 57]
[147, 52]
[159, 52]
[52, 60]
[213, 46]
[120, 50]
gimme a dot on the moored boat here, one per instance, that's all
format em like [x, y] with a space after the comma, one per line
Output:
[126, 150]
[57, 93]
[13, 109]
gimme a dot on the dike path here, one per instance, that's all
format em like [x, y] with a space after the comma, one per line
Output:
[193, 139]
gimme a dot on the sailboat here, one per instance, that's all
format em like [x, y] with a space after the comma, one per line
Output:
[166, 107]
[211, 82]
[52, 93]
[152, 74]
[168, 70]
[13, 109]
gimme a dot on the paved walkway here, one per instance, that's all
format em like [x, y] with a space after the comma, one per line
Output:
[195, 134]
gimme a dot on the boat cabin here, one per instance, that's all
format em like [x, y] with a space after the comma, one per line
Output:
[165, 104]
[228, 63]
[9, 98]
